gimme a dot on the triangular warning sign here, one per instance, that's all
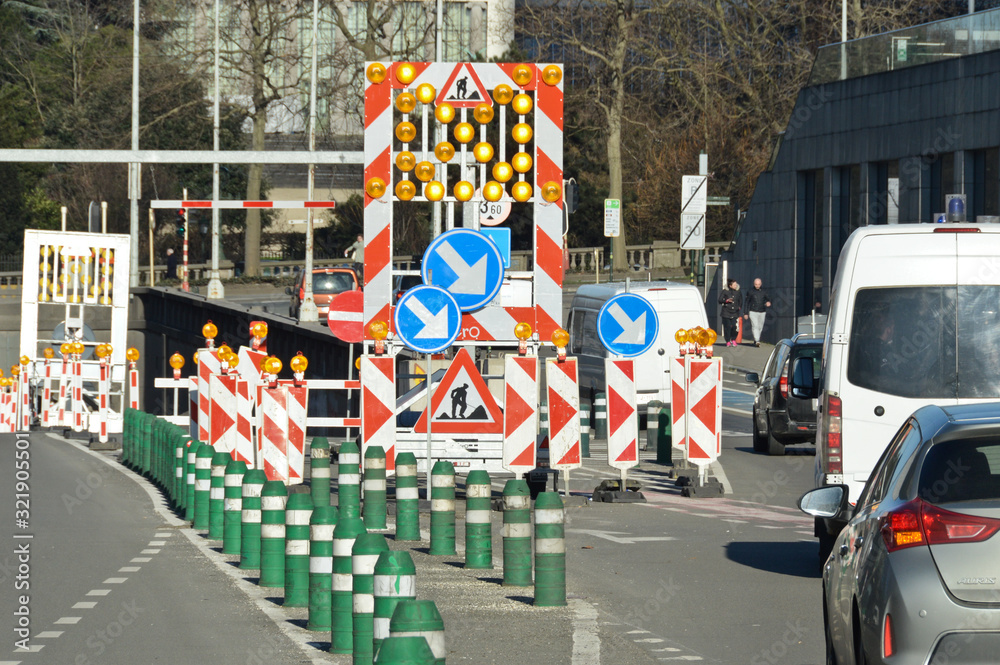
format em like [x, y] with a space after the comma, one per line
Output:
[462, 402]
[464, 89]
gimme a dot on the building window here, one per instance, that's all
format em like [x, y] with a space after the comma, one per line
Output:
[984, 199]
[464, 34]
[942, 182]
[850, 202]
[812, 232]
[884, 206]
[410, 27]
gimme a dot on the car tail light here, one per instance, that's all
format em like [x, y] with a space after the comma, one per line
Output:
[918, 522]
[832, 421]
[783, 384]
[887, 636]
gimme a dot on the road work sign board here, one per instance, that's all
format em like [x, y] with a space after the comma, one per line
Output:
[462, 402]
[627, 325]
[465, 263]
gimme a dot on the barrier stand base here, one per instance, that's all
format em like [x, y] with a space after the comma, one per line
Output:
[711, 489]
[610, 491]
[114, 441]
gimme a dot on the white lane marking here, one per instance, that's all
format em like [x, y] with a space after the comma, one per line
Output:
[649, 640]
[67, 620]
[48, 634]
[115, 580]
[150, 552]
[129, 569]
[166, 534]
[85, 605]
[157, 543]
[140, 559]
[99, 592]
[586, 639]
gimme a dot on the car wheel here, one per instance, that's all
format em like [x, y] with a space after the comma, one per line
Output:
[860, 657]
[773, 446]
[759, 441]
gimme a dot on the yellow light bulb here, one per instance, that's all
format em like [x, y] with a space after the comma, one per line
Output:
[65, 348]
[551, 191]
[444, 113]
[493, 191]
[195, 356]
[444, 151]
[483, 113]
[522, 75]
[521, 162]
[101, 350]
[551, 75]
[560, 338]
[405, 73]
[464, 190]
[521, 104]
[48, 353]
[681, 336]
[405, 161]
[375, 188]
[378, 329]
[434, 191]
[464, 132]
[272, 365]
[424, 171]
[376, 72]
[483, 152]
[233, 360]
[132, 354]
[209, 330]
[522, 330]
[502, 171]
[406, 132]
[405, 190]
[259, 330]
[425, 93]
[224, 349]
[406, 102]
[24, 360]
[177, 361]
[521, 132]
[521, 191]
[299, 363]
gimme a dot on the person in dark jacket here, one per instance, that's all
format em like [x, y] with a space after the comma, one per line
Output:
[171, 264]
[755, 309]
[732, 306]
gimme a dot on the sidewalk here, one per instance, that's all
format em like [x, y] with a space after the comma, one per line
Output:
[743, 358]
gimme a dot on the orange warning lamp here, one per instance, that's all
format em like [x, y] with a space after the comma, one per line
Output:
[132, 354]
[195, 356]
[102, 351]
[681, 336]
[405, 73]
[560, 338]
[405, 190]
[483, 113]
[502, 94]
[551, 191]
[521, 191]
[424, 172]
[521, 132]
[444, 151]
[209, 330]
[493, 191]
[259, 330]
[522, 75]
[444, 113]
[464, 190]
[65, 348]
[405, 161]
[376, 72]
[522, 331]
[464, 132]
[521, 104]
[434, 191]
[272, 365]
[483, 152]
[406, 102]
[379, 330]
[551, 75]
[224, 349]
[406, 132]
[232, 360]
[176, 361]
[299, 363]
[24, 360]
[78, 348]
[375, 188]
[48, 353]
[15, 370]
[357, 363]
[425, 93]
[502, 172]
[521, 162]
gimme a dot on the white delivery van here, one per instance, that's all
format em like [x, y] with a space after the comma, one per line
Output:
[914, 320]
[677, 306]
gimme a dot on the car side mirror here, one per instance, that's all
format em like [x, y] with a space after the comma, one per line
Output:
[753, 377]
[288, 290]
[804, 386]
[829, 502]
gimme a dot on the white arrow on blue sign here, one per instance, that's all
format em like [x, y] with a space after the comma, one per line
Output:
[627, 325]
[465, 263]
[427, 319]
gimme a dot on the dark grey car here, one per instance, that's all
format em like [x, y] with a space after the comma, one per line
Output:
[914, 575]
[779, 418]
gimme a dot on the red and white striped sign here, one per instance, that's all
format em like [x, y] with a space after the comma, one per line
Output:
[26, 400]
[244, 418]
[623, 427]
[240, 205]
[77, 401]
[378, 407]
[704, 410]
[47, 394]
[678, 400]
[273, 433]
[297, 407]
[194, 405]
[133, 388]
[208, 364]
[222, 416]
[520, 415]
[563, 387]
[64, 382]
[102, 397]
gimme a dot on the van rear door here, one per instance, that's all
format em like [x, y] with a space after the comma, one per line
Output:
[676, 309]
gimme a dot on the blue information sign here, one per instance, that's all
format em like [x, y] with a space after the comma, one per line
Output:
[427, 319]
[627, 325]
[500, 235]
[465, 263]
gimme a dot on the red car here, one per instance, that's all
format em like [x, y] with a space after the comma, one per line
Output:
[327, 283]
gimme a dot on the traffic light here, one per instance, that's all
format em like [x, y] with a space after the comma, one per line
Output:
[572, 195]
[181, 221]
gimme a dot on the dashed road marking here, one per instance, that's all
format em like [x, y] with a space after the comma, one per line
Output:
[141, 559]
[48, 634]
[62, 621]
[586, 639]
[115, 580]
[99, 592]
[85, 605]
[129, 569]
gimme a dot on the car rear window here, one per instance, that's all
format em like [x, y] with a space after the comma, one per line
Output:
[961, 470]
[332, 282]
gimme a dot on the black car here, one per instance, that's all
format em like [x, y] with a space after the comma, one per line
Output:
[779, 418]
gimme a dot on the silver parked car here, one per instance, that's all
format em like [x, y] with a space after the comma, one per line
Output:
[914, 576]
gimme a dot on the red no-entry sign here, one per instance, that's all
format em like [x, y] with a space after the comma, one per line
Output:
[345, 316]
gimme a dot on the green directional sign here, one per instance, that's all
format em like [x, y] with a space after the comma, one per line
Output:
[612, 218]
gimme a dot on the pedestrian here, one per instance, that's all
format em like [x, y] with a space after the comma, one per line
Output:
[171, 264]
[755, 309]
[358, 248]
[732, 305]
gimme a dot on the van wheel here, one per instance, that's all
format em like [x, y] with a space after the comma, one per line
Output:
[759, 443]
[773, 447]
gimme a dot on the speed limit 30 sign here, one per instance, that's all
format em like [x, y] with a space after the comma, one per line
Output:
[692, 231]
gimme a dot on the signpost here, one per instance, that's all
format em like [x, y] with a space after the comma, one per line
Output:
[612, 218]
[627, 325]
[694, 202]
[466, 264]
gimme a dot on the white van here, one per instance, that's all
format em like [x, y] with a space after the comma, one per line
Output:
[914, 320]
[677, 306]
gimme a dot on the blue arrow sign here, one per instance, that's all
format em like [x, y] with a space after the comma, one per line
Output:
[627, 325]
[427, 319]
[465, 263]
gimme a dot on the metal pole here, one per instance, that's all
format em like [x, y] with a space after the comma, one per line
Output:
[134, 168]
[215, 290]
[430, 418]
[62, 211]
[307, 309]
[152, 227]
[185, 285]
[439, 57]
[843, 39]
[104, 217]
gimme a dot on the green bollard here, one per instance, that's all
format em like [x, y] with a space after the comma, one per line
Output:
[321, 524]
[550, 551]
[146, 442]
[349, 475]
[585, 430]
[273, 497]
[516, 533]
[373, 509]
[190, 460]
[407, 498]
[420, 618]
[395, 581]
[202, 484]
[253, 486]
[664, 441]
[232, 506]
[410, 650]
[653, 424]
[478, 527]
[600, 416]
[217, 496]
[443, 509]
[367, 549]
[349, 527]
[298, 511]
[319, 471]
[126, 433]
[180, 479]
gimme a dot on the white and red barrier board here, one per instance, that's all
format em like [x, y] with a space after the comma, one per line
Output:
[222, 416]
[704, 410]
[273, 433]
[297, 405]
[520, 416]
[623, 426]
[563, 387]
[378, 406]
[208, 364]
[678, 398]
[244, 419]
